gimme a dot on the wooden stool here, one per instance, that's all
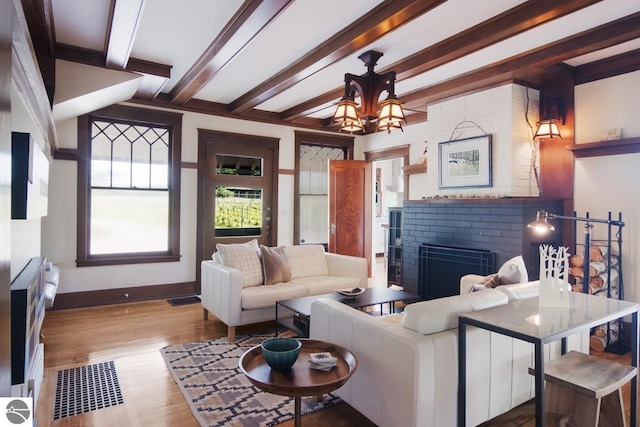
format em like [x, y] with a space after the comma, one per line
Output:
[583, 390]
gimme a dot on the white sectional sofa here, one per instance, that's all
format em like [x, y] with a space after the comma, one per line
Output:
[407, 363]
[313, 272]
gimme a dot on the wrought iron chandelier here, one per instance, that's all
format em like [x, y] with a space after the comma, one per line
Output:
[369, 86]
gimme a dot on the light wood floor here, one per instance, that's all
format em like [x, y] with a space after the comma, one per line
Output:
[131, 335]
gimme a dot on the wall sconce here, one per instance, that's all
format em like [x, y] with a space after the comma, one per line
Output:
[547, 129]
[542, 226]
[369, 86]
[552, 113]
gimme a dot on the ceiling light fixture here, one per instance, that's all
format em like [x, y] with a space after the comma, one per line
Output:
[369, 86]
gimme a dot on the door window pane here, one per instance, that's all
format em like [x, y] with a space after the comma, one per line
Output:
[236, 165]
[314, 218]
[238, 212]
[314, 199]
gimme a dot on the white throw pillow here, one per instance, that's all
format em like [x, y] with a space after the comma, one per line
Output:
[429, 317]
[307, 261]
[244, 257]
[520, 291]
[513, 271]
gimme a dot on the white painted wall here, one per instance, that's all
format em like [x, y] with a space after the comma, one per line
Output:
[498, 111]
[609, 183]
[59, 227]
[25, 233]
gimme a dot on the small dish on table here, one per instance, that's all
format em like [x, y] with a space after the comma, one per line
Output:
[351, 292]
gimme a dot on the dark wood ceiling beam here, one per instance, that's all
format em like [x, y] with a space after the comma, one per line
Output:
[608, 67]
[508, 24]
[381, 20]
[39, 16]
[610, 34]
[310, 106]
[127, 15]
[155, 75]
[80, 55]
[28, 80]
[221, 110]
[501, 27]
[247, 23]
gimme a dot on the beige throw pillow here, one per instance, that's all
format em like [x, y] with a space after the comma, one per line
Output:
[513, 271]
[275, 266]
[244, 257]
[490, 281]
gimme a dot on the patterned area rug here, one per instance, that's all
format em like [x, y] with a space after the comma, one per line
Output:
[217, 391]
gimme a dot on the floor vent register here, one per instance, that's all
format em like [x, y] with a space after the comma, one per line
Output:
[86, 388]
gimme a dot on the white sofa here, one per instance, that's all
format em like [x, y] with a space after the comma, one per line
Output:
[409, 378]
[313, 272]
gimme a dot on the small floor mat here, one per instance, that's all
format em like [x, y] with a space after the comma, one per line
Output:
[184, 300]
[86, 388]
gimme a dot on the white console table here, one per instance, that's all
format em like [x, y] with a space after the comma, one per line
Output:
[527, 321]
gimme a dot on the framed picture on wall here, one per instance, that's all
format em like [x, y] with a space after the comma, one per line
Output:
[465, 163]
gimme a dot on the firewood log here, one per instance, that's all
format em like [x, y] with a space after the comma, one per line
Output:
[595, 268]
[576, 272]
[607, 292]
[592, 289]
[576, 260]
[601, 331]
[599, 342]
[597, 282]
[613, 274]
[596, 254]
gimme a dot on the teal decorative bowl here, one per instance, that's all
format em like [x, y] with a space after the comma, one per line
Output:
[281, 353]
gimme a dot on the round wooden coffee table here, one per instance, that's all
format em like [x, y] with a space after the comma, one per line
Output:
[300, 380]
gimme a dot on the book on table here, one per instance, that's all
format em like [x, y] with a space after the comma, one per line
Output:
[322, 361]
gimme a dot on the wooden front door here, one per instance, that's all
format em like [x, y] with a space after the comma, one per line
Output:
[237, 197]
[350, 208]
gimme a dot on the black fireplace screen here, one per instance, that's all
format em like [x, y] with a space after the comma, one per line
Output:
[441, 267]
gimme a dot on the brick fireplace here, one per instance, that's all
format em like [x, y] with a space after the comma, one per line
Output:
[496, 225]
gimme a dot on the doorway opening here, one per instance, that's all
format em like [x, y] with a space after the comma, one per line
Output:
[391, 187]
[313, 152]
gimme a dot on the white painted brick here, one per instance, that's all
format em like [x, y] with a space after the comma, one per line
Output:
[500, 112]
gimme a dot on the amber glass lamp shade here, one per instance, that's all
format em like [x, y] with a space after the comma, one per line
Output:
[346, 112]
[352, 126]
[547, 129]
[391, 115]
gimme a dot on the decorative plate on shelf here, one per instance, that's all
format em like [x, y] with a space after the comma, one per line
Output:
[351, 292]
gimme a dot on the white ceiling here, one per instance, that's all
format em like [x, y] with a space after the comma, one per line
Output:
[176, 33]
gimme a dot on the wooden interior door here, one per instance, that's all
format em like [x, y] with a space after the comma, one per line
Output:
[350, 208]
